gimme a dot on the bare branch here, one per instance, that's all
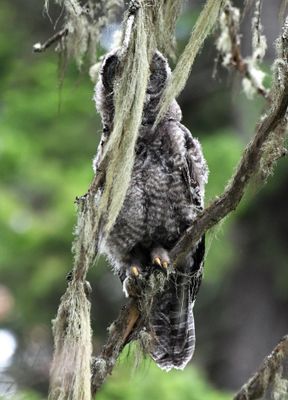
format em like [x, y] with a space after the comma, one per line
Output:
[40, 48]
[118, 334]
[257, 386]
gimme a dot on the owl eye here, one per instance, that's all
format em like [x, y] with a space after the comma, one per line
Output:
[158, 76]
[109, 71]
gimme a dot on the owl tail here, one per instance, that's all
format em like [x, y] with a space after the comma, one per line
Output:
[172, 325]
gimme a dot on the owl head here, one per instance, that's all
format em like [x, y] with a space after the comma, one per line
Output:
[159, 76]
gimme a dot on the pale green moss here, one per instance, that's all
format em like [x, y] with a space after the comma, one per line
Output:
[204, 25]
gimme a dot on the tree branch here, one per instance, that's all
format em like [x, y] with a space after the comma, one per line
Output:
[237, 61]
[231, 197]
[119, 332]
[40, 48]
[249, 163]
[272, 365]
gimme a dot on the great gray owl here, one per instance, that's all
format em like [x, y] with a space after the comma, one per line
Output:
[165, 195]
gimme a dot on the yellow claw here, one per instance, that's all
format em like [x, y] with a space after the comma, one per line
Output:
[157, 261]
[134, 271]
[165, 264]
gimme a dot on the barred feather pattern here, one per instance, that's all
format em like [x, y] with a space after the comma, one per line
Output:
[165, 195]
[172, 321]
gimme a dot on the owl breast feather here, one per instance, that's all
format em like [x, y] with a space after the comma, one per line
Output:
[158, 206]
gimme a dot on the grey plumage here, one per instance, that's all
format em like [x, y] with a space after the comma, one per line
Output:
[164, 196]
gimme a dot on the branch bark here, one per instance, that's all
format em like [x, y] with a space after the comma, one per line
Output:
[119, 332]
[40, 48]
[231, 197]
[264, 378]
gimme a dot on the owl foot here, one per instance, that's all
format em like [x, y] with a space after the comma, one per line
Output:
[160, 258]
[135, 271]
[133, 283]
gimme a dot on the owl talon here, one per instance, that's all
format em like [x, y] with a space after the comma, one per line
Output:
[157, 261]
[165, 264]
[134, 271]
[160, 258]
[161, 263]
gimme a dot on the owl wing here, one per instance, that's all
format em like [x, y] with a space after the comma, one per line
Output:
[171, 318]
[195, 170]
[104, 100]
[172, 314]
[195, 175]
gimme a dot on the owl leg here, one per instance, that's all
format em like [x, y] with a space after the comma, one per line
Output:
[160, 257]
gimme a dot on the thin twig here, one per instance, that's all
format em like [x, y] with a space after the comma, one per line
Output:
[118, 334]
[40, 48]
[238, 62]
[258, 385]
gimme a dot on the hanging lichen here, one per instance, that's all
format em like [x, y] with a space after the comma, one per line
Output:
[167, 16]
[228, 45]
[229, 20]
[83, 25]
[259, 46]
[73, 348]
[274, 148]
[283, 8]
[204, 25]
[128, 115]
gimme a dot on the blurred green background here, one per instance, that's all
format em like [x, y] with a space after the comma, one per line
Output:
[48, 137]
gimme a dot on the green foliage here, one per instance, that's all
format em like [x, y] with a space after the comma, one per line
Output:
[222, 151]
[185, 24]
[27, 395]
[150, 382]
[42, 170]
[205, 23]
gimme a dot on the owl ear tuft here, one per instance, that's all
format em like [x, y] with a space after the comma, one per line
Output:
[159, 74]
[109, 71]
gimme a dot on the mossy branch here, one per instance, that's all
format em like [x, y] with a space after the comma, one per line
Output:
[119, 332]
[229, 47]
[40, 47]
[269, 376]
[248, 166]
[203, 27]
